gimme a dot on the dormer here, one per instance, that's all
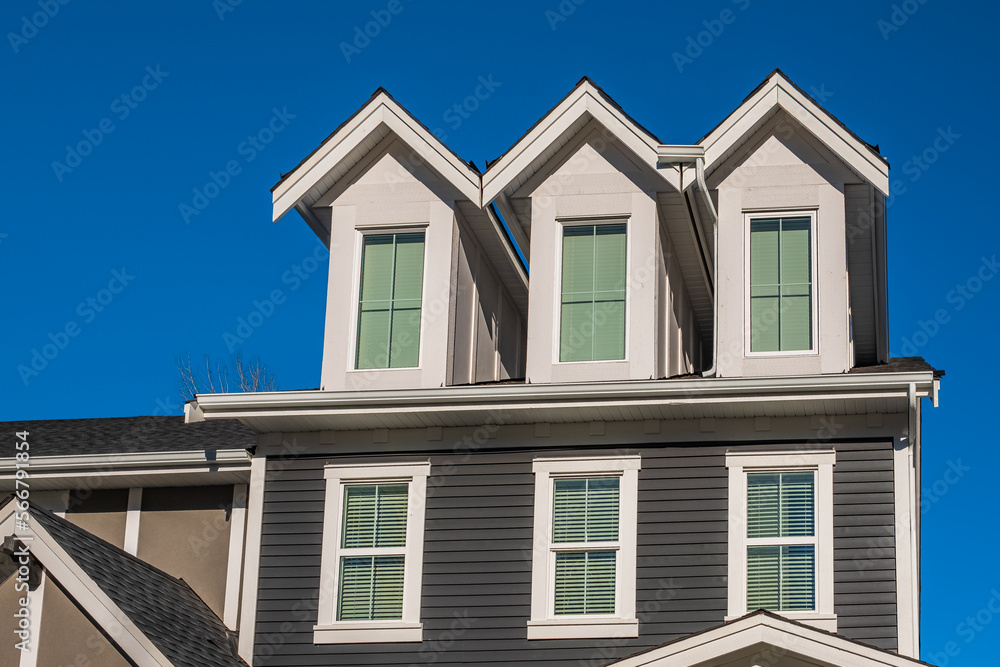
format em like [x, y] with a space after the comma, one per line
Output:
[801, 210]
[611, 297]
[425, 287]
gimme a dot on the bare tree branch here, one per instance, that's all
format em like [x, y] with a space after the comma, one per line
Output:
[248, 376]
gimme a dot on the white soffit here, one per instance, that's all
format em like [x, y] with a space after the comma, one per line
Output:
[381, 110]
[778, 91]
[585, 100]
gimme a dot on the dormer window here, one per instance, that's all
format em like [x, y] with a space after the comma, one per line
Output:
[782, 304]
[389, 303]
[592, 309]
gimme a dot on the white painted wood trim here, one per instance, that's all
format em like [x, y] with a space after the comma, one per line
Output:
[820, 461]
[407, 629]
[251, 565]
[86, 593]
[543, 624]
[132, 516]
[234, 570]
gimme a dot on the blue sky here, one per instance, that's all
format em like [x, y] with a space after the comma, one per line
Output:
[118, 115]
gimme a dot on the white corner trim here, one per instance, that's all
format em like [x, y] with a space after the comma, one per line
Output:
[237, 528]
[132, 520]
[543, 623]
[86, 593]
[822, 463]
[251, 565]
[328, 630]
[907, 579]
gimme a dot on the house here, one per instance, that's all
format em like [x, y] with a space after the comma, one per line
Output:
[684, 445]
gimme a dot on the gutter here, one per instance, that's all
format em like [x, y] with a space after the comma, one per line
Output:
[682, 155]
[546, 396]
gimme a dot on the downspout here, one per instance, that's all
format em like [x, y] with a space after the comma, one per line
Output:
[699, 166]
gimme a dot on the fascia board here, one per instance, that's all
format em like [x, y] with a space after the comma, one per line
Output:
[812, 117]
[584, 100]
[291, 191]
[880, 385]
[94, 601]
[146, 461]
[382, 110]
[518, 232]
[517, 159]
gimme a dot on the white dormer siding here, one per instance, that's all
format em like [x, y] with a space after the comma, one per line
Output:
[601, 305]
[783, 291]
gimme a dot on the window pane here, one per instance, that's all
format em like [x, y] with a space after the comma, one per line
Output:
[371, 588]
[585, 510]
[780, 504]
[593, 293]
[781, 578]
[375, 516]
[389, 310]
[780, 284]
[585, 582]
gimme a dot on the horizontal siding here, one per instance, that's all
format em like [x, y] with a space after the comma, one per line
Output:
[477, 559]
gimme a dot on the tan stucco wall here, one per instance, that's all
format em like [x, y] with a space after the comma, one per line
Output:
[101, 512]
[184, 531]
[68, 637]
[8, 624]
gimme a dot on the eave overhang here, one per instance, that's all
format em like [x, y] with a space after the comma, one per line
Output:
[118, 471]
[694, 398]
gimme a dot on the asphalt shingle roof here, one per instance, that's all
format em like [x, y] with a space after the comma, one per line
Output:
[164, 608]
[117, 435]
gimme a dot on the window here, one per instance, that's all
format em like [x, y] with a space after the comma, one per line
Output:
[373, 529]
[583, 561]
[781, 534]
[392, 271]
[592, 310]
[781, 284]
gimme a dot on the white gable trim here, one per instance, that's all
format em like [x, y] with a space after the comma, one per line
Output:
[775, 637]
[586, 98]
[78, 585]
[780, 92]
[381, 109]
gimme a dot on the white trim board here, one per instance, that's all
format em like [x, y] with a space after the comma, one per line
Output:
[101, 609]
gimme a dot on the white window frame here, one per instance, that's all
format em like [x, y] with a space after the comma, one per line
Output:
[328, 630]
[361, 231]
[812, 214]
[544, 624]
[740, 464]
[557, 297]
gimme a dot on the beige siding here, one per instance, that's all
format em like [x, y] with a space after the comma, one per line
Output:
[8, 624]
[68, 637]
[101, 513]
[185, 532]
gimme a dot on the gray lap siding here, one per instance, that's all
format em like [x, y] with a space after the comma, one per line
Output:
[476, 587]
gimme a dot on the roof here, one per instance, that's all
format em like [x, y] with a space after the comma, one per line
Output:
[165, 609]
[770, 637]
[900, 365]
[116, 435]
